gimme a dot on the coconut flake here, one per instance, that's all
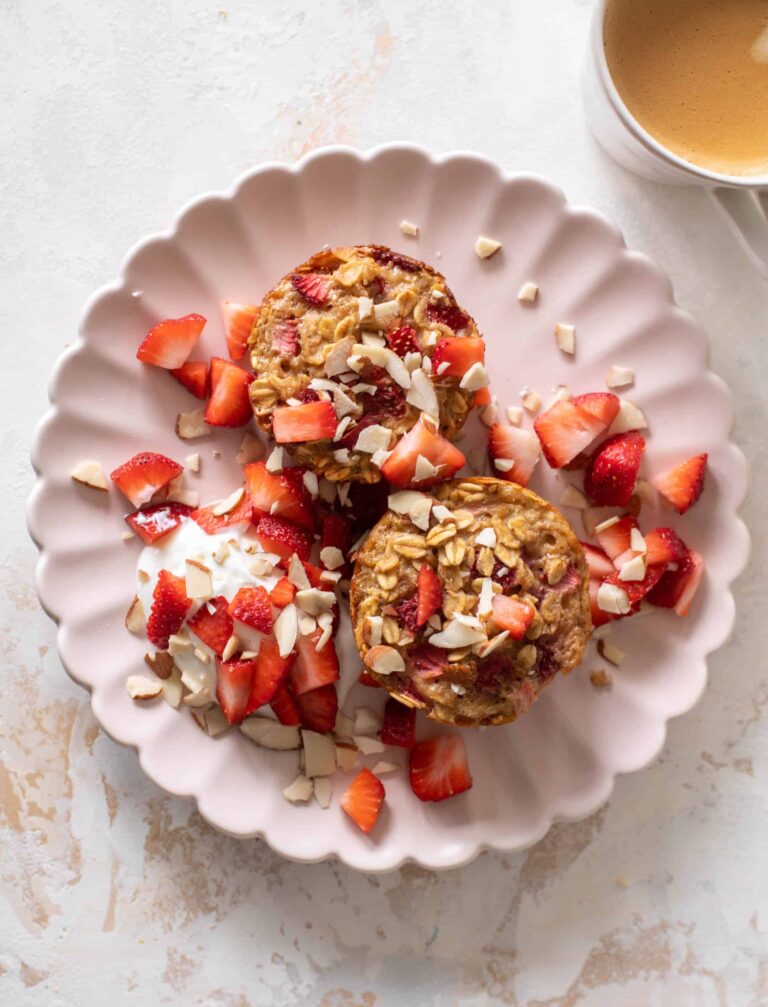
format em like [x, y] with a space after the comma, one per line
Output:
[336, 361]
[486, 537]
[190, 426]
[275, 460]
[565, 337]
[373, 438]
[385, 313]
[364, 308]
[344, 406]
[456, 633]
[299, 791]
[270, 734]
[485, 600]
[620, 377]
[382, 357]
[475, 378]
[424, 469]
[422, 393]
[366, 721]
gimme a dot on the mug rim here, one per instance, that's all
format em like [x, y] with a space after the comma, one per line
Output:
[642, 134]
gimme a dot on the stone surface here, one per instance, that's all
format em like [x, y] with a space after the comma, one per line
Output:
[114, 116]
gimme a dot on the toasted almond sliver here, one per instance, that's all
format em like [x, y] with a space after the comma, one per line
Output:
[300, 790]
[600, 678]
[531, 400]
[368, 746]
[528, 292]
[270, 734]
[173, 690]
[610, 652]
[620, 377]
[565, 337]
[251, 449]
[323, 791]
[215, 721]
[192, 462]
[228, 503]
[230, 647]
[161, 663]
[573, 497]
[189, 426]
[142, 688]
[134, 617]
[198, 580]
[90, 474]
[384, 767]
[486, 247]
[384, 660]
[409, 228]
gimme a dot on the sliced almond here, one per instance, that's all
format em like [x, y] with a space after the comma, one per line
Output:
[486, 247]
[231, 647]
[382, 767]
[270, 734]
[344, 725]
[307, 625]
[313, 601]
[346, 757]
[515, 415]
[368, 746]
[275, 461]
[229, 503]
[197, 700]
[297, 575]
[412, 230]
[613, 599]
[573, 497]
[161, 663]
[489, 414]
[366, 721]
[636, 541]
[299, 791]
[608, 523]
[485, 600]
[311, 484]
[323, 791]
[319, 754]
[487, 536]
[484, 649]
[374, 628]
[127, 535]
[173, 690]
[332, 557]
[620, 377]
[134, 617]
[456, 634]
[634, 569]
[251, 449]
[531, 400]
[286, 630]
[609, 652]
[421, 395]
[342, 456]
[90, 474]
[178, 643]
[565, 337]
[142, 688]
[189, 426]
[373, 438]
[475, 378]
[215, 721]
[528, 292]
[188, 497]
[198, 580]
[384, 660]
[629, 417]
[600, 678]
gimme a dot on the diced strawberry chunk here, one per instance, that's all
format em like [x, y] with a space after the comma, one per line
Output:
[233, 688]
[285, 338]
[402, 340]
[213, 628]
[513, 615]
[279, 494]
[212, 523]
[439, 768]
[318, 708]
[285, 707]
[422, 439]
[483, 397]
[599, 564]
[283, 538]
[616, 538]
[676, 588]
[429, 661]
[143, 475]
[458, 354]
[399, 725]
[170, 605]
[311, 421]
[315, 576]
[682, 485]
[269, 675]
[229, 405]
[313, 668]
[193, 374]
[604, 406]
[336, 532]
[252, 606]
[611, 475]
[282, 593]
[663, 545]
[170, 342]
[511, 444]
[313, 287]
[239, 320]
[153, 523]
[636, 590]
[387, 257]
[565, 430]
[429, 594]
[363, 798]
[447, 313]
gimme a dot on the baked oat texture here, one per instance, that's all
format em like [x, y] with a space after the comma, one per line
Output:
[536, 559]
[404, 292]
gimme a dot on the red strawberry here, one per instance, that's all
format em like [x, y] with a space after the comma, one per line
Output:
[313, 668]
[429, 661]
[233, 688]
[308, 395]
[213, 523]
[282, 593]
[269, 675]
[402, 340]
[170, 342]
[636, 590]
[599, 617]
[170, 605]
[615, 539]
[458, 354]
[229, 405]
[363, 798]
[611, 475]
[285, 707]
[604, 406]
[252, 606]
[143, 475]
[429, 594]
[512, 614]
[565, 430]
[239, 320]
[313, 287]
[318, 708]
[406, 612]
[366, 679]
[483, 397]
[399, 725]
[214, 629]
[599, 564]
[421, 439]
[664, 546]
[283, 538]
[336, 532]
[518, 446]
[311, 421]
[280, 494]
[194, 376]
[439, 768]
[154, 523]
[315, 576]
[386, 257]
[676, 588]
[449, 314]
[285, 337]
[682, 485]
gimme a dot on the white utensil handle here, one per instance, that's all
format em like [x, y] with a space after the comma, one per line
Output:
[747, 214]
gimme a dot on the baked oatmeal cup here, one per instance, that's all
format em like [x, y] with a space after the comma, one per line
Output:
[468, 601]
[350, 348]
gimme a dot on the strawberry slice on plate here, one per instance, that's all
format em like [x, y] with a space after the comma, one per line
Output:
[422, 441]
[429, 594]
[282, 593]
[279, 494]
[363, 798]
[615, 536]
[313, 668]
[565, 430]
[212, 523]
[682, 485]
[514, 453]
[439, 768]
[269, 675]
[512, 615]
[600, 565]
[399, 725]
[170, 605]
[153, 523]
[193, 374]
[402, 340]
[170, 342]
[285, 707]
[604, 406]
[676, 588]
[213, 628]
[239, 320]
[143, 475]
[663, 545]
[311, 421]
[233, 688]
[252, 606]
[283, 538]
[453, 357]
[318, 708]
[611, 474]
[229, 405]
[313, 287]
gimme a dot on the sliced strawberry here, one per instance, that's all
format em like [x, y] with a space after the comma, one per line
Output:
[269, 675]
[615, 539]
[421, 439]
[213, 628]
[252, 606]
[170, 605]
[212, 523]
[368, 680]
[682, 485]
[599, 564]
[676, 588]
[439, 768]
[604, 406]
[285, 337]
[521, 447]
[311, 421]
[429, 661]
[239, 320]
[336, 532]
[313, 668]
[280, 495]
[663, 545]
[483, 397]
[565, 430]
[429, 594]
[283, 537]
[229, 405]
[143, 475]
[513, 615]
[458, 354]
[599, 617]
[611, 475]
[402, 340]
[399, 725]
[282, 593]
[315, 576]
[318, 708]
[285, 707]
[449, 314]
[313, 287]
[636, 590]
[233, 688]
[170, 342]
[387, 257]
[193, 374]
[154, 523]
[363, 798]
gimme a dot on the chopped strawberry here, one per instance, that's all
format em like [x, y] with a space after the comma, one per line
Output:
[285, 337]
[676, 588]
[308, 395]
[336, 532]
[402, 340]
[458, 354]
[170, 342]
[682, 485]
[615, 539]
[153, 523]
[483, 397]
[363, 798]
[315, 576]
[368, 680]
[193, 374]
[143, 475]
[212, 523]
[513, 615]
[399, 725]
[213, 628]
[599, 564]
[313, 668]
[252, 606]
[565, 430]
[604, 406]
[318, 708]
[282, 593]
[636, 590]
[313, 287]
[599, 617]
[278, 494]
[406, 610]
[239, 320]
[429, 594]
[429, 661]
[663, 545]
[449, 314]
[233, 688]
[269, 675]
[439, 768]
[283, 537]
[311, 421]
[422, 439]
[170, 605]
[521, 447]
[229, 405]
[386, 257]
[285, 707]
[611, 475]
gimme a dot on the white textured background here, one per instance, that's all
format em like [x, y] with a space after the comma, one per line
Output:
[115, 114]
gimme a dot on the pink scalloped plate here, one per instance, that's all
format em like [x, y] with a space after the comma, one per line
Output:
[560, 760]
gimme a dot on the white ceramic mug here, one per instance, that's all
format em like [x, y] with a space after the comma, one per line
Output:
[742, 199]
